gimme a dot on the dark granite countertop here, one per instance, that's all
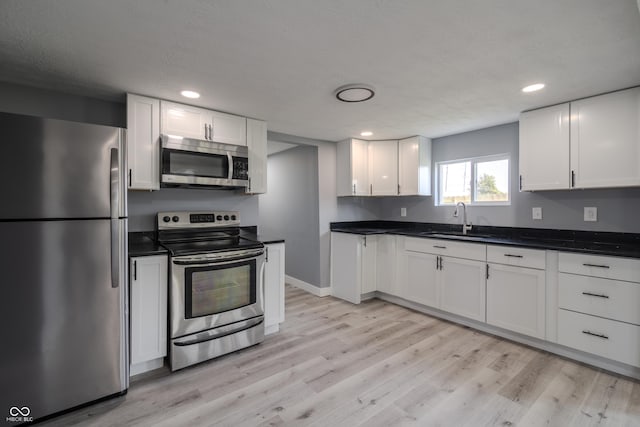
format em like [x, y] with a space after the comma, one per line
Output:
[143, 244]
[592, 242]
[251, 233]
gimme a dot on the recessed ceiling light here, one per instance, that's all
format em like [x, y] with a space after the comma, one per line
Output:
[533, 88]
[190, 94]
[355, 92]
[366, 133]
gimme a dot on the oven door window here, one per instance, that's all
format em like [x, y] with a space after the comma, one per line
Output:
[216, 289]
[176, 162]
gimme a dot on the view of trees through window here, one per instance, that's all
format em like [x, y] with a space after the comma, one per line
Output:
[475, 181]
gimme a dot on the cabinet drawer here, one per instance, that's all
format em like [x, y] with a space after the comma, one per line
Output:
[601, 297]
[518, 257]
[608, 267]
[475, 251]
[603, 337]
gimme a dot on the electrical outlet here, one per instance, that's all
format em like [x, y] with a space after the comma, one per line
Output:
[403, 211]
[590, 214]
[536, 213]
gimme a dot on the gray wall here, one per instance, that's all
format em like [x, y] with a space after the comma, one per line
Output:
[143, 205]
[617, 208]
[290, 209]
[56, 105]
[329, 208]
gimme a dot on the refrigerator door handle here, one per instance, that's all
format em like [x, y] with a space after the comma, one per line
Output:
[115, 224]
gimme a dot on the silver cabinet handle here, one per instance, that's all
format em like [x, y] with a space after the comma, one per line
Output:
[513, 256]
[211, 132]
[439, 247]
[593, 334]
[206, 131]
[354, 189]
[595, 295]
[596, 265]
[135, 270]
[371, 189]
[487, 271]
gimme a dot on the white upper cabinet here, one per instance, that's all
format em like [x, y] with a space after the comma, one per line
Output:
[590, 143]
[605, 140]
[352, 168]
[544, 149]
[143, 142]
[185, 120]
[199, 123]
[383, 168]
[414, 166]
[228, 129]
[257, 145]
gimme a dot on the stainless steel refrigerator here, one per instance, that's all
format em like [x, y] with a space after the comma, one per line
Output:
[63, 267]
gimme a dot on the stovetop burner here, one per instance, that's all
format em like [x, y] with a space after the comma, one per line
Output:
[190, 233]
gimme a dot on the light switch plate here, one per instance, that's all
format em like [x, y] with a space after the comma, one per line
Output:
[403, 211]
[590, 213]
[536, 213]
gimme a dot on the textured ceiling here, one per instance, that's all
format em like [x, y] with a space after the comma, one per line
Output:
[439, 66]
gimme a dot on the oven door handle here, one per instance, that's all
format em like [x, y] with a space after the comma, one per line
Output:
[217, 261]
[215, 335]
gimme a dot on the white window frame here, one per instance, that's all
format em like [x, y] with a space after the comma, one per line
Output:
[474, 161]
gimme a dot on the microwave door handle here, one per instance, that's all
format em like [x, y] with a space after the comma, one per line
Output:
[230, 160]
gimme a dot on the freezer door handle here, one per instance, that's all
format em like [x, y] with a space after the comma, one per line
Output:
[115, 224]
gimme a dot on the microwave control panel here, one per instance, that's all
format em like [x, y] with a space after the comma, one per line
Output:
[240, 168]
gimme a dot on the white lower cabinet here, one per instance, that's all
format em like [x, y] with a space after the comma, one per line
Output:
[273, 287]
[422, 278]
[516, 299]
[462, 287]
[353, 265]
[148, 293]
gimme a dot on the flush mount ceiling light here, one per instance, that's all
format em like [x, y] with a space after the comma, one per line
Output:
[533, 88]
[366, 133]
[355, 92]
[190, 94]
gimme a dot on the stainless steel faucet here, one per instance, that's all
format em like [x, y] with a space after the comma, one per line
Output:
[465, 226]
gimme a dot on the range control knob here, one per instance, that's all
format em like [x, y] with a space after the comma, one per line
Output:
[175, 218]
[219, 217]
[226, 217]
[233, 217]
[166, 218]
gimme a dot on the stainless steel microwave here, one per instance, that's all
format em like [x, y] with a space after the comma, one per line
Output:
[189, 162]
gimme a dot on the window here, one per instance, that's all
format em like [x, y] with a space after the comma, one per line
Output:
[478, 181]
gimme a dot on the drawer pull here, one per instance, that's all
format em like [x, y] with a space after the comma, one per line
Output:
[439, 247]
[595, 265]
[595, 295]
[593, 334]
[513, 256]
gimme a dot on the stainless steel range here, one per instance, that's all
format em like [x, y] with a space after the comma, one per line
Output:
[216, 285]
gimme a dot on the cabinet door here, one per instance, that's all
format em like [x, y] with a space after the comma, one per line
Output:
[143, 142]
[352, 171]
[383, 168]
[516, 299]
[228, 129]
[369, 279]
[346, 266]
[257, 145]
[184, 120]
[544, 149]
[462, 287]
[274, 286]
[422, 284]
[414, 166]
[605, 140]
[148, 308]
[386, 264]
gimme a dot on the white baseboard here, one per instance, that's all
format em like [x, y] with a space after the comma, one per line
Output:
[141, 367]
[319, 292]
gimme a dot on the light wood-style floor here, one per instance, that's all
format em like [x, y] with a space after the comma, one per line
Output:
[375, 364]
